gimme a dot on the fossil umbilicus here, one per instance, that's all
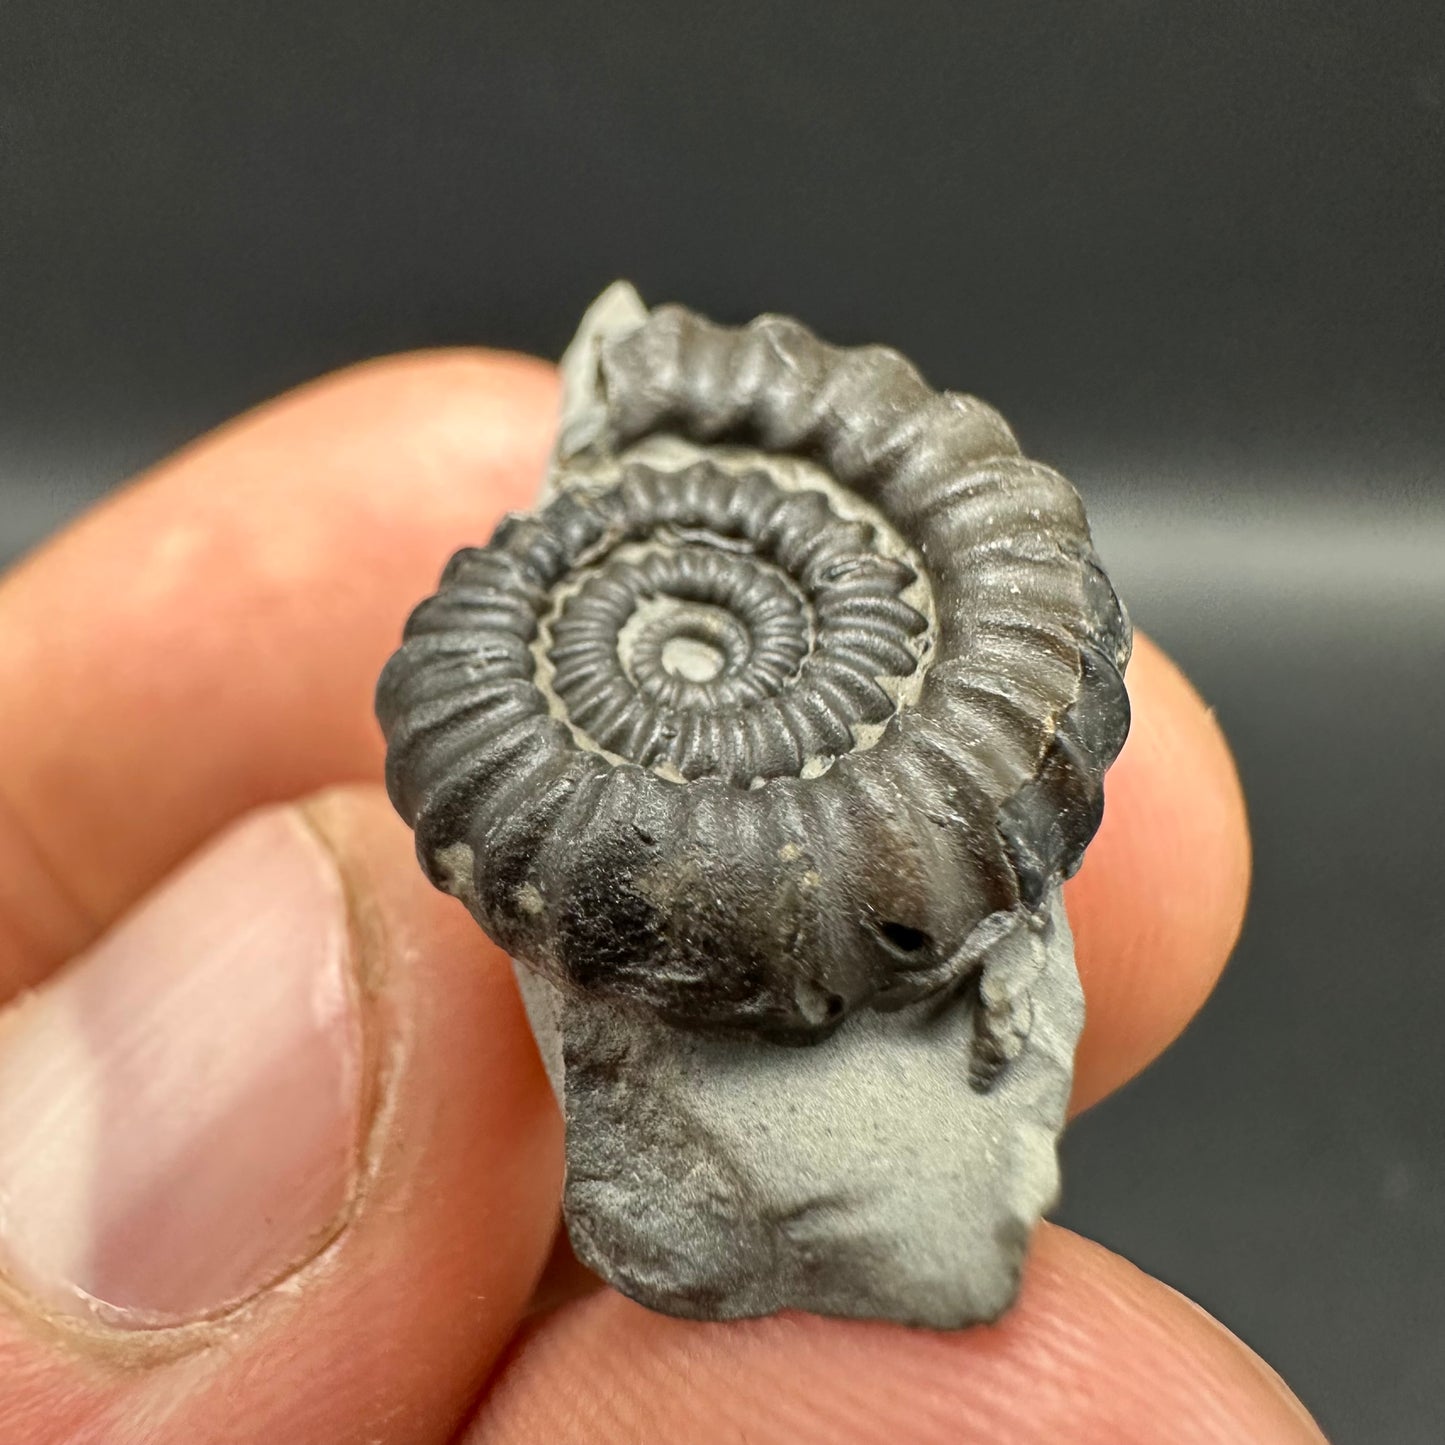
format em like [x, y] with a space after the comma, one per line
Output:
[763, 746]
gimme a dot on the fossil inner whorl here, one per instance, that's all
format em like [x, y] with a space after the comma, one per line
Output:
[729, 627]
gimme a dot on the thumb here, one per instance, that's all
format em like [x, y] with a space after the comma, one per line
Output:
[277, 1158]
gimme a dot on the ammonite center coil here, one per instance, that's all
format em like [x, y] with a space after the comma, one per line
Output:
[791, 701]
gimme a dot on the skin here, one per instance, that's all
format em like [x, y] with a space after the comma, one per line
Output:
[208, 639]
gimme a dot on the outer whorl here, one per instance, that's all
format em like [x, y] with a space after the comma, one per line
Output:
[801, 675]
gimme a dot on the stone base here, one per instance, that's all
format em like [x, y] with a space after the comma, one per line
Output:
[716, 1178]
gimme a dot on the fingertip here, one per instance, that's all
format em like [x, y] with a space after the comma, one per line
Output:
[1094, 1353]
[1160, 900]
[222, 621]
[458, 404]
[311, 1238]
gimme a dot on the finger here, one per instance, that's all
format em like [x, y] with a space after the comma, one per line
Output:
[1160, 900]
[209, 641]
[1095, 1353]
[277, 1158]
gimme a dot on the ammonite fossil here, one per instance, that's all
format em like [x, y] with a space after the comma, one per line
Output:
[763, 745]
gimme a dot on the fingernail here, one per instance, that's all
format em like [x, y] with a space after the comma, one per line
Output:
[181, 1107]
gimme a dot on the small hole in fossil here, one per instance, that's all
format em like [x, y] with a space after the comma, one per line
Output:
[693, 658]
[834, 1005]
[902, 937]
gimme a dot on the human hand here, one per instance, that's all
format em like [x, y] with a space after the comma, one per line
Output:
[277, 1158]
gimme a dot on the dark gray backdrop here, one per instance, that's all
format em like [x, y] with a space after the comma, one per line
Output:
[1195, 251]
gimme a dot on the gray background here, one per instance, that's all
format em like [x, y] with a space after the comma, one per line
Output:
[1195, 252]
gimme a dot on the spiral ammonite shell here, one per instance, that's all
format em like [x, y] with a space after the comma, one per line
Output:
[800, 677]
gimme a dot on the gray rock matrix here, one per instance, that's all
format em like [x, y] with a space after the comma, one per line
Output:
[763, 745]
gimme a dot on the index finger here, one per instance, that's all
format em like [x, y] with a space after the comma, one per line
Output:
[208, 641]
